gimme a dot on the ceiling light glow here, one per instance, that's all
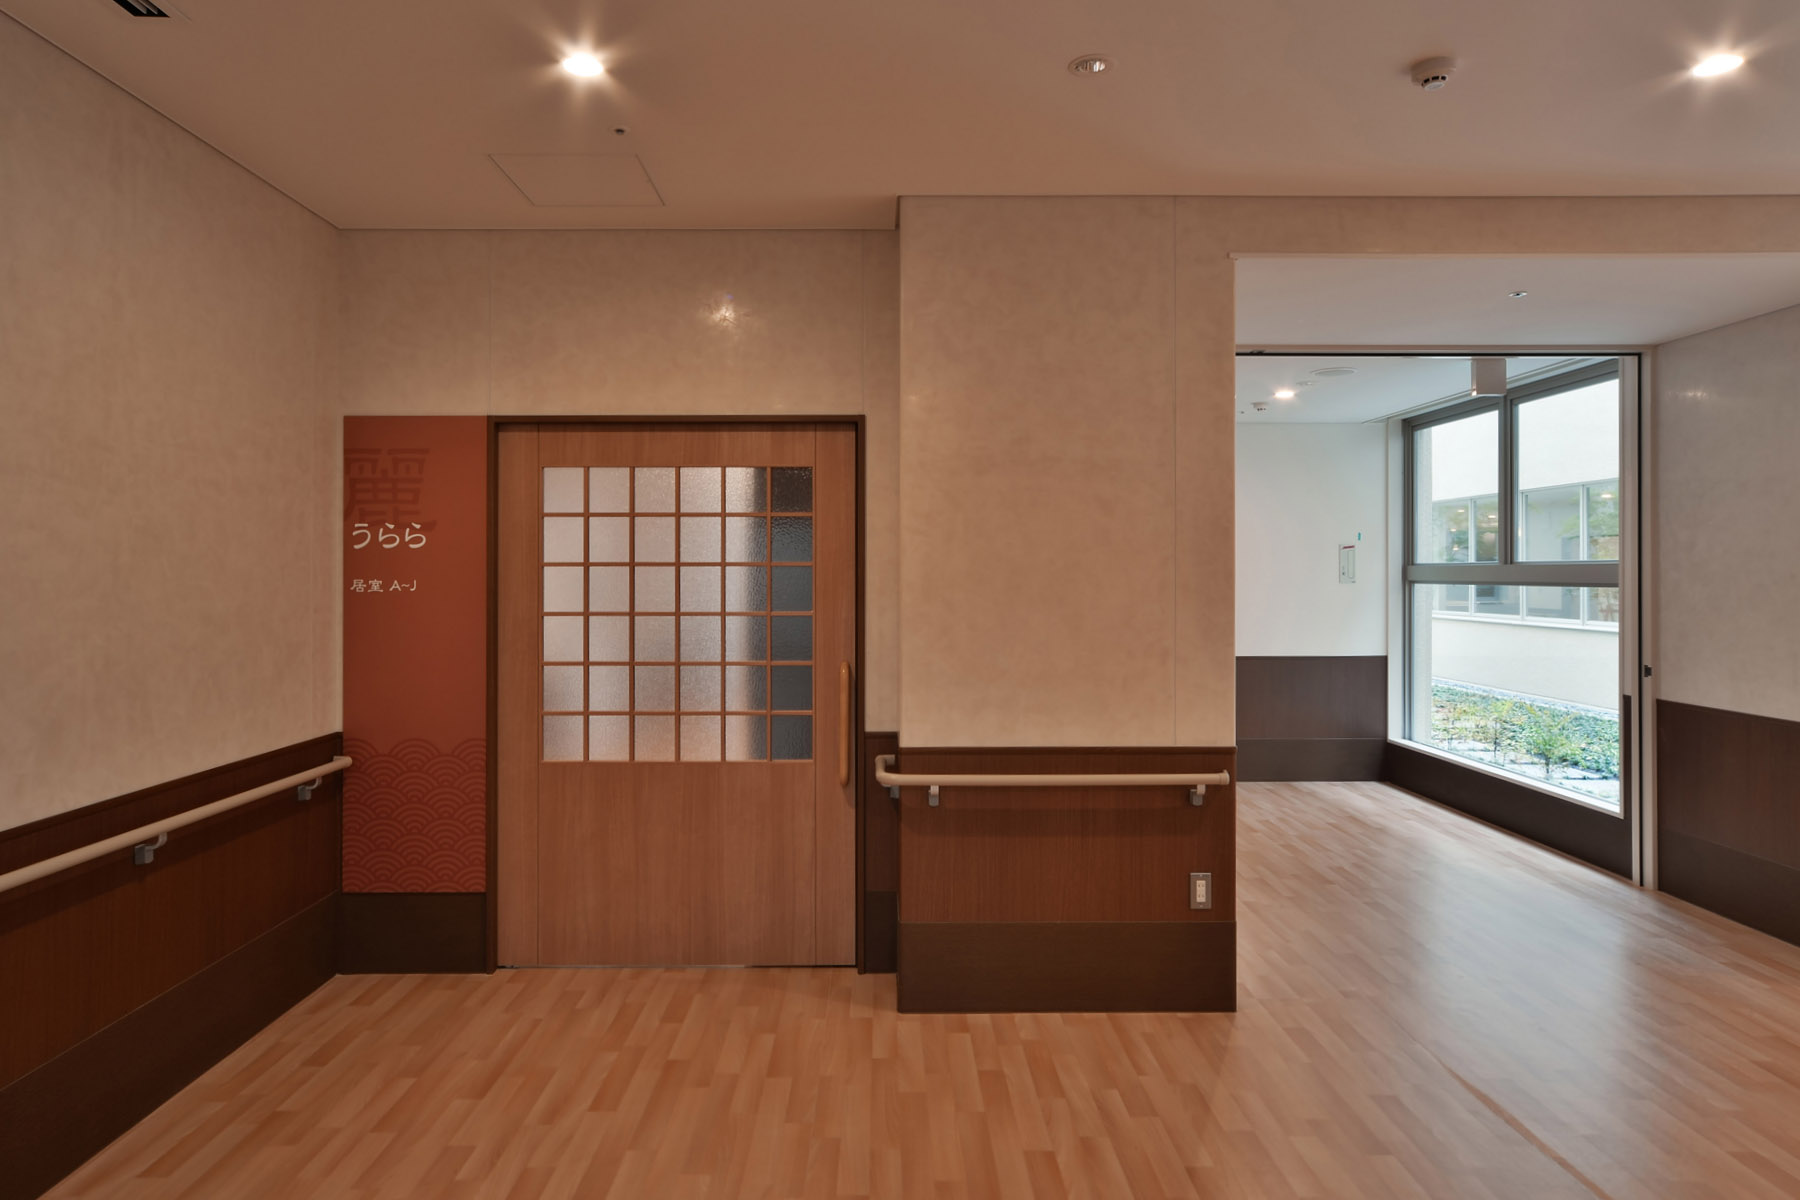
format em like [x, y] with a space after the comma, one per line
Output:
[583, 65]
[1717, 64]
[1285, 394]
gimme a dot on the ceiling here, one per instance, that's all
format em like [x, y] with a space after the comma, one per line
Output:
[1609, 301]
[818, 113]
[1380, 387]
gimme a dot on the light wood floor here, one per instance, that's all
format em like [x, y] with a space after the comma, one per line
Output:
[1429, 1009]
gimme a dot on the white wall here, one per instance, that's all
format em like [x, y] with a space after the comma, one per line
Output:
[1557, 662]
[1728, 517]
[1302, 491]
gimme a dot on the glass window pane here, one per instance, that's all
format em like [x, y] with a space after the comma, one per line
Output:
[609, 639]
[1603, 605]
[793, 589]
[791, 489]
[700, 492]
[747, 539]
[562, 739]
[655, 489]
[746, 688]
[700, 739]
[1487, 529]
[655, 689]
[562, 539]
[792, 737]
[746, 639]
[655, 539]
[609, 689]
[700, 539]
[1534, 695]
[1456, 464]
[655, 589]
[609, 589]
[655, 639]
[609, 739]
[1550, 525]
[562, 689]
[609, 539]
[1603, 520]
[1568, 453]
[562, 589]
[700, 589]
[791, 687]
[562, 639]
[700, 641]
[609, 489]
[700, 690]
[746, 489]
[1495, 600]
[746, 738]
[746, 589]
[562, 494]
[792, 638]
[793, 539]
[655, 738]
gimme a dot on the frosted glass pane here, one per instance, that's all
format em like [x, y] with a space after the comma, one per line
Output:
[609, 639]
[655, 639]
[700, 491]
[609, 739]
[700, 539]
[746, 739]
[792, 637]
[746, 589]
[562, 589]
[700, 589]
[792, 688]
[562, 539]
[793, 589]
[655, 589]
[700, 739]
[791, 489]
[609, 489]
[747, 539]
[655, 739]
[609, 539]
[655, 689]
[746, 639]
[562, 689]
[609, 689]
[655, 539]
[746, 687]
[746, 489]
[700, 689]
[792, 737]
[562, 639]
[793, 539]
[700, 639]
[562, 493]
[562, 739]
[609, 589]
[656, 489]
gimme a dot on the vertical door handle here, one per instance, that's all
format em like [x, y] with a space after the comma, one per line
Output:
[844, 724]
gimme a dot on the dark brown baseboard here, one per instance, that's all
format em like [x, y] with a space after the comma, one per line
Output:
[58, 1116]
[1108, 966]
[1749, 890]
[1311, 696]
[1301, 760]
[412, 933]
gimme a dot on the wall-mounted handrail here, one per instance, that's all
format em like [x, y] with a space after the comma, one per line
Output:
[1196, 784]
[145, 840]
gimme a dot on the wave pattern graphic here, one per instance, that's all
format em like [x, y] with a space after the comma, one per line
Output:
[415, 817]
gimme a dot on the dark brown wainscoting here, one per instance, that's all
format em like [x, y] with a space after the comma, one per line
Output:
[1321, 717]
[878, 849]
[412, 933]
[1057, 868]
[1729, 836]
[104, 960]
[1575, 829]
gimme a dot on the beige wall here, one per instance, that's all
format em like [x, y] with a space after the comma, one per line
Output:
[1727, 504]
[164, 364]
[630, 323]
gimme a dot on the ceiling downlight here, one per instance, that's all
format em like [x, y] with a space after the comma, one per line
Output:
[1090, 64]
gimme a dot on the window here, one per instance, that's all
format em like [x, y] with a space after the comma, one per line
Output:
[1513, 584]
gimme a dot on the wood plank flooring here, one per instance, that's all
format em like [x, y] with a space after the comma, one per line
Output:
[1429, 1008]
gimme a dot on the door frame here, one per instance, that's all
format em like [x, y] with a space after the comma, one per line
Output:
[857, 422]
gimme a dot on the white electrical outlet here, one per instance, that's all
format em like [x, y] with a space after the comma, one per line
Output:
[1200, 889]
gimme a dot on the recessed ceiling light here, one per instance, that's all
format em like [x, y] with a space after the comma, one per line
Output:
[1717, 64]
[1517, 295]
[1284, 394]
[583, 65]
[1334, 372]
[1090, 64]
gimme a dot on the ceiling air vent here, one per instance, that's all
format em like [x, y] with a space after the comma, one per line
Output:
[141, 8]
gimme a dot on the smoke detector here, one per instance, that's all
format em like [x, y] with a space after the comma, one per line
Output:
[1261, 406]
[1433, 73]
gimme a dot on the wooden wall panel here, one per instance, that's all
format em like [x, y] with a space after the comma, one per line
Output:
[879, 851]
[1311, 718]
